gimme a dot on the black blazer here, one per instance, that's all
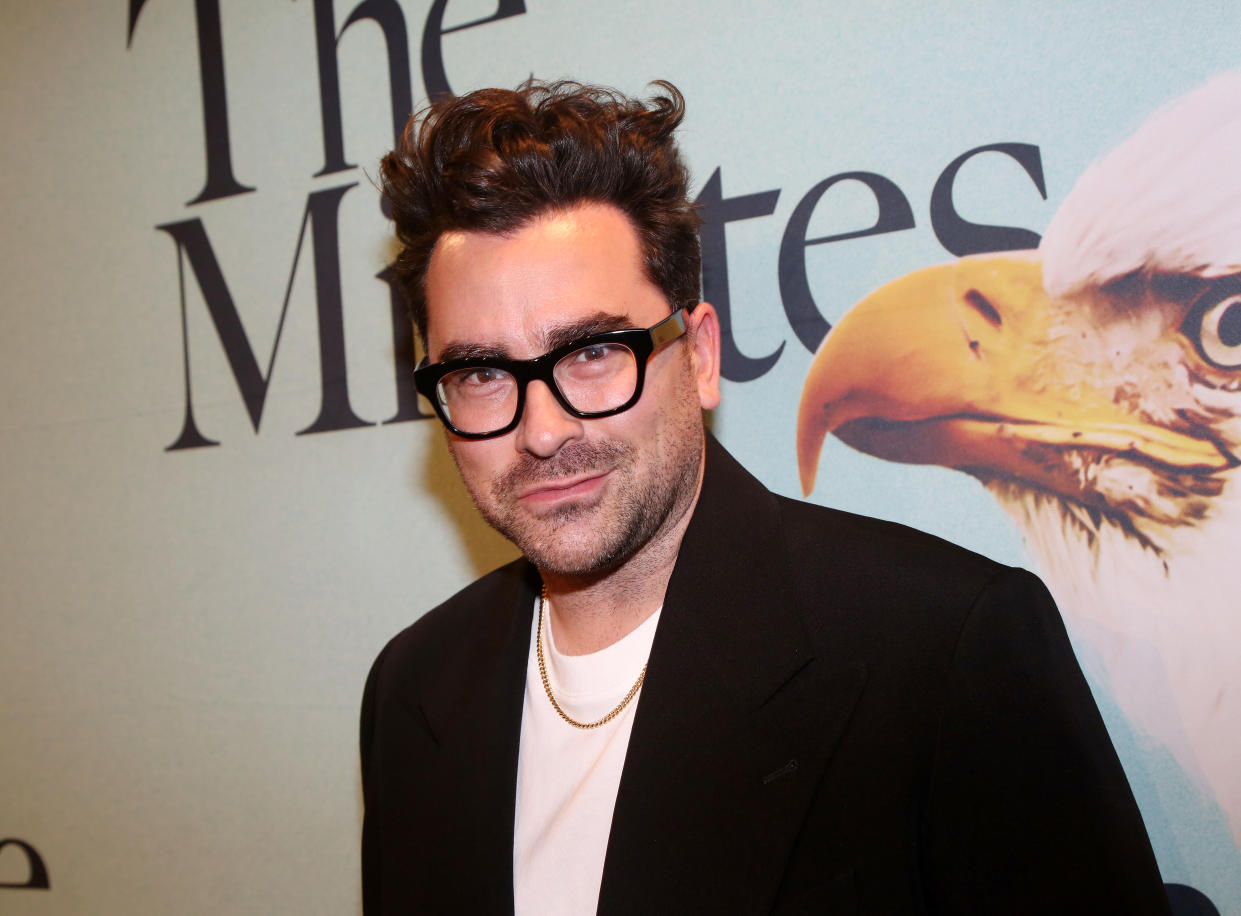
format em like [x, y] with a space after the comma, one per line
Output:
[840, 715]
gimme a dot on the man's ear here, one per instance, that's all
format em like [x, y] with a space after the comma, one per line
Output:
[703, 329]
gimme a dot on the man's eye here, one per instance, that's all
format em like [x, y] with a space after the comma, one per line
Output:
[597, 353]
[476, 382]
[480, 376]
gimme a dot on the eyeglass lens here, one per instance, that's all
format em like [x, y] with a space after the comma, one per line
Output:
[593, 379]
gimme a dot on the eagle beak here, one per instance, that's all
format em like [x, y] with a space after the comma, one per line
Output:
[953, 365]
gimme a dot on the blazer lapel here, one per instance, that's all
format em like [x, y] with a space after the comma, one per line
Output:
[735, 722]
[474, 713]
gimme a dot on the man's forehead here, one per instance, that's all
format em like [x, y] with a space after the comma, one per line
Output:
[589, 234]
[563, 275]
[556, 332]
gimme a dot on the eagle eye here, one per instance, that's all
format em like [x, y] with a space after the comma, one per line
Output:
[1214, 325]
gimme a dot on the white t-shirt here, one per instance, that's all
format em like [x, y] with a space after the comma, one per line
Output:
[567, 777]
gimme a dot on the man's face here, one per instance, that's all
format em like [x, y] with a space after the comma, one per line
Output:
[578, 497]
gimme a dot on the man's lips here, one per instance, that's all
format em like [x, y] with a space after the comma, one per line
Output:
[551, 492]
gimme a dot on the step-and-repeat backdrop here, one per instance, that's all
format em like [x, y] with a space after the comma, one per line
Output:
[1021, 223]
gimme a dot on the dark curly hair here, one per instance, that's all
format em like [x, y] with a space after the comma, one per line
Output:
[494, 159]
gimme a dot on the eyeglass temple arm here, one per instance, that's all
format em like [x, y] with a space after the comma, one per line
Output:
[669, 329]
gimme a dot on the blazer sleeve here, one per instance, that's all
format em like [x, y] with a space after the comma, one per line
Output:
[370, 791]
[1028, 808]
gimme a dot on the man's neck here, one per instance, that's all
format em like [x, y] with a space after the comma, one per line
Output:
[588, 614]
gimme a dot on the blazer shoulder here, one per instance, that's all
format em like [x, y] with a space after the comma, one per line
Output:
[901, 593]
[450, 631]
[870, 545]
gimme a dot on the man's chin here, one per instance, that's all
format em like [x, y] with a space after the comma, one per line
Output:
[582, 566]
[567, 540]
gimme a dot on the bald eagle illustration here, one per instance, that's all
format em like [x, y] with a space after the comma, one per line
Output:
[1094, 387]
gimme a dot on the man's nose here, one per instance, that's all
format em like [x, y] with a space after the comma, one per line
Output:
[545, 426]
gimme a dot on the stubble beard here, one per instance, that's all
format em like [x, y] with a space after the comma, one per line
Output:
[617, 527]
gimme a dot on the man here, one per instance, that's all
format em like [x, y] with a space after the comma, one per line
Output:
[690, 695]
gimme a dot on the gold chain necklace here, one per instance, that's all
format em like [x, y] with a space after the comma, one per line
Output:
[547, 687]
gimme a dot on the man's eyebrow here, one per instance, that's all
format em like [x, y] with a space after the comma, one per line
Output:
[598, 323]
[553, 337]
[457, 350]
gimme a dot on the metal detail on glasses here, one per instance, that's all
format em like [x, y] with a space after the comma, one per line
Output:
[595, 376]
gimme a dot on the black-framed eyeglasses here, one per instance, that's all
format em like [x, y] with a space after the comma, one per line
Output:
[597, 376]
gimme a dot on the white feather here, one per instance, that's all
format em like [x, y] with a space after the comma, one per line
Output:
[1167, 199]
[1163, 627]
